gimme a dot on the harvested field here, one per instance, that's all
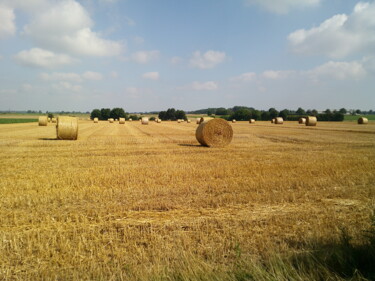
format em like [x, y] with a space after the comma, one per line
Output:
[98, 209]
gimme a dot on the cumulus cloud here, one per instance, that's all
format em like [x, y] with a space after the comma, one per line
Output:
[277, 74]
[245, 77]
[66, 27]
[204, 86]
[63, 85]
[209, 59]
[42, 58]
[145, 56]
[283, 6]
[7, 21]
[339, 36]
[90, 75]
[151, 75]
[60, 76]
[339, 71]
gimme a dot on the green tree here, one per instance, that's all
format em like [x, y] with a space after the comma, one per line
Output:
[117, 113]
[284, 114]
[180, 114]
[343, 111]
[95, 114]
[221, 111]
[241, 115]
[105, 113]
[50, 115]
[300, 111]
[273, 112]
[265, 116]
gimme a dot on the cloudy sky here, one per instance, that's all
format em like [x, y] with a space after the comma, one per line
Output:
[146, 55]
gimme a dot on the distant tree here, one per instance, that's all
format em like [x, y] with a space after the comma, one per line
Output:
[172, 114]
[241, 115]
[300, 111]
[343, 111]
[163, 115]
[358, 111]
[50, 115]
[314, 112]
[273, 112]
[265, 116]
[284, 114]
[209, 112]
[117, 113]
[327, 111]
[152, 118]
[105, 113]
[221, 111]
[180, 114]
[134, 117]
[255, 114]
[95, 114]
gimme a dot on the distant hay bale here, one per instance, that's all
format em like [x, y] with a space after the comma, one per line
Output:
[67, 128]
[144, 120]
[158, 120]
[362, 120]
[49, 119]
[279, 120]
[214, 133]
[204, 119]
[121, 121]
[116, 120]
[273, 120]
[178, 120]
[54, 120]
[198, 120]
[189, 121]
[43, 120]
[111, 120]
[234, 121]
[130, 119]
[96, 120]
[252, 121]
[311, 121]
[302, 121]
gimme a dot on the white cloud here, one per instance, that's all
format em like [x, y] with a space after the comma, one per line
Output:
[245, 77]
[176, 60]
[340, 35]
[62, 86]
[209, 59]
[205, 86]
[277, 74]
[26, 5]
[90, 75]
[66, 27]
[283, 6]
[338, 70]
[7, 21]
[145, 56]
[151, 75]
[42, 58]
[60, 76]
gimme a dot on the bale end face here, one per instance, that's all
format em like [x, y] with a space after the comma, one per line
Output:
[302, 121]
[311, 121]
[279, 120]
[362, 120]
[96, 120]
[214, 133]
[67, 128]
[252, 121]
[144, 120]
[121, 121]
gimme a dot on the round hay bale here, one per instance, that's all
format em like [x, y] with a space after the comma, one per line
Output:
[178, 120]
[111, 120]
[234, 121]
[311, 121]
[54, 120]
[252, 121]
[121, 121]
[302, 121]
[273, 121]
[144, 120]
[214, 133]
[43, 120]
[130, 119]
[158, 121]
[362, 120]
[67, 128]
[116, 120]
[198, 120]
[96, 120]
[189, 121]
[279, 120]
[204, 119]
[49, 119]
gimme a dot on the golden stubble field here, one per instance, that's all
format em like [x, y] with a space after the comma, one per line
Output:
[140, 202]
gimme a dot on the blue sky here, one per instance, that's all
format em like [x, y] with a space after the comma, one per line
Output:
[146, 55]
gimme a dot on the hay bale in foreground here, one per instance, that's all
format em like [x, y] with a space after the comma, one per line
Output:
[214, 133]
[144, 120]
[362, 120]
[111, 120]
[279, 120]
[311, 121]
[96, 120]
[302, 121]
[252, 121]
[43, 120]
[204, 119]
[121, 121]
[67, 128]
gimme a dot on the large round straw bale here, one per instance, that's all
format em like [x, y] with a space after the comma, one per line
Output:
[204, 119]
[302, 121]
[130, 119]
[251, 121]
[121, 121]
[111, 120]
[311, 121]
[362, 120]
[144, 120]
[178, 120]
[67, 128]
[214, 133]
[198, 120]
[234, 121]
[54, 120]
[273, 120]
[189, 121]
[96, 120]
[43, 120]
[279, 120]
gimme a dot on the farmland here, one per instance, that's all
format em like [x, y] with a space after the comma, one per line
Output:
[137, 202]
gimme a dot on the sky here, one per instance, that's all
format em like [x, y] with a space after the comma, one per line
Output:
[150, 55]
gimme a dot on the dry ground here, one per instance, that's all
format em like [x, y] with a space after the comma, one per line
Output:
[139, 202]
